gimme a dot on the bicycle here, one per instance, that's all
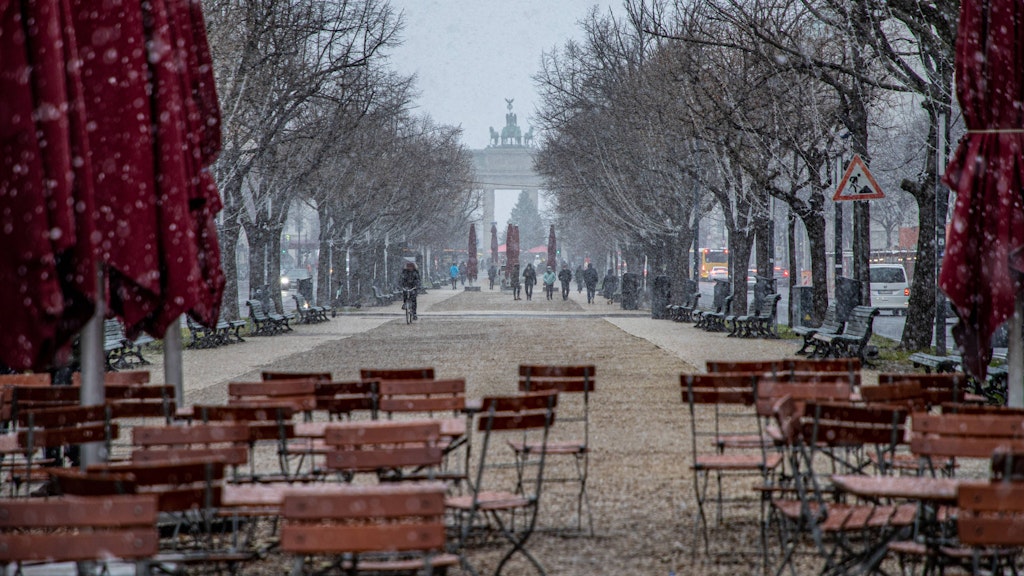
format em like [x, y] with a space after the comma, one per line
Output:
[409, 304]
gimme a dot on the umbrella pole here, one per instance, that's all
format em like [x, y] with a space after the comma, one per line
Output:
[1015, 356]
[93, 364]
[173, 361]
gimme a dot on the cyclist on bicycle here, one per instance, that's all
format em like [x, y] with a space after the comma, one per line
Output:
[410, 283]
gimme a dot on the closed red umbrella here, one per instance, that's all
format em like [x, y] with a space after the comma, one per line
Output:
[494, 243]
[48, 254]
[985, 250]
[471, 263]
[552, 249]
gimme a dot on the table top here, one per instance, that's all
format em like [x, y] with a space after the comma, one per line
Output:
[908, 487]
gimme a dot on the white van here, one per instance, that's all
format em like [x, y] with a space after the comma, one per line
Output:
[889, 287]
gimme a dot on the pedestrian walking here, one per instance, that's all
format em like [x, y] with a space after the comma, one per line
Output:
[453, 273]
[549, 283]
[590, 279]
[492, 273]
[565, 277]
[515, 282]
[529, 280]
[578, 277]
[462, 272]
[611, 282]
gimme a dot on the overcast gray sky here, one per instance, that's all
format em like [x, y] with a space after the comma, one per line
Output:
[469, 55]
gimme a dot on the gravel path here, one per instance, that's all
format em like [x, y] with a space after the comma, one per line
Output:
[641, 488]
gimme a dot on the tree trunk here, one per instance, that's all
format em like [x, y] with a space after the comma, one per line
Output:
[917, 332]
[814, 223]
[228, 236]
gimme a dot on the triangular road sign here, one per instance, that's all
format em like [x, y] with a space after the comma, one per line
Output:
[858, 183]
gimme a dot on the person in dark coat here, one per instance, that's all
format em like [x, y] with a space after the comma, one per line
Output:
[529, 280]
[578, 277]
[514, 279]
[611, 282]
[565, 277]
[590, 279]
[492, 273]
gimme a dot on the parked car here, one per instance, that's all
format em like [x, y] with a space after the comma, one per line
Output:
[889, 287]
[719, 273]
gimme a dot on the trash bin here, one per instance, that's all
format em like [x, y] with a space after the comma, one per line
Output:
[306, 289]
[803, 305]
[720, 293]
[660, 296]
[630, 291]
[848, 295]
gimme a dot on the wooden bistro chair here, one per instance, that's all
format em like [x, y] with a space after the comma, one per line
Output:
[848, 536]
[50, 428]
[990, 522]
[569, 382]
[269, 424]
[188, 495]
[732, 424]
[101, 529]
[443, 400]
[510, 512]
[405, 450]
[392, 528]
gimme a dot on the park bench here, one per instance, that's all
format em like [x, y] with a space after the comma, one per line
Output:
[715, 321]
[308, 313]
[684, 312]
[120, 351]
[380, 298]
[266, 323]
[830, 325]
[853, 341]
[760, 321]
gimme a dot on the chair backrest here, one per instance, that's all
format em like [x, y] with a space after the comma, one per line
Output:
[265, 422]
[194, 484]
[9, 381]
[227, 442]
[384, 447]
[784, 368]
[300, 394]
[966, 435]
[907, 394]
[991, 514]
[768, 391]
[425, 373]
[122, 377]
[421, 396]
[76, 529]
[936, 388]
[724, 388]
[289, 375]
[361, 519]
[64, 425]
[575, 380]
[347, 398]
